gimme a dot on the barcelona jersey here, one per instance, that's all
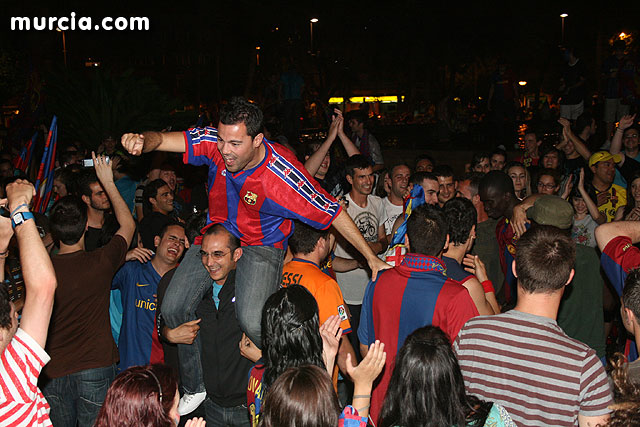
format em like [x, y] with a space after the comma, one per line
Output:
[258, 205]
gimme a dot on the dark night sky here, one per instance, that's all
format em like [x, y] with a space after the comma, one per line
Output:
[354, 37]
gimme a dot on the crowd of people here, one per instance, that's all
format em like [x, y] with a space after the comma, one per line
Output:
[319, 285]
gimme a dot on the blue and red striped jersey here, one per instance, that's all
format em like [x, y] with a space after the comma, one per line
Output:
[415, 294]
[138, 342]
[259, 204]
[618, 258]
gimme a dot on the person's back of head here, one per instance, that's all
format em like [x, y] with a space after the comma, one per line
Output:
[305, 238]
[544, 259]
[427, 230]
[141, 396]
[239, 110]
[68, 220]
[631, 294]
[290, 332]
[301, 396]
[427, 387]
[461, 217]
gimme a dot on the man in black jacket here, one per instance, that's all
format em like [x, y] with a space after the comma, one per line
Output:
[225, 370]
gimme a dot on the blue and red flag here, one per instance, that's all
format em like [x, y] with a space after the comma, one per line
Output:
[23, 161]
[44, 181]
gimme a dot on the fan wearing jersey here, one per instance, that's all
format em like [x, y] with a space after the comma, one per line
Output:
[138, 341]
[256, 190]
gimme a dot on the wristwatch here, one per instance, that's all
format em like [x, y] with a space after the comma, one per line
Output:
[19, 218]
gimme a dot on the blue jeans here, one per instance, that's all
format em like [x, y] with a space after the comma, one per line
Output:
[258, 275]
[217, 416]
[78, 397]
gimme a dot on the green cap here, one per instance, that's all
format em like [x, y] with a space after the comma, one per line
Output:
[552, 210]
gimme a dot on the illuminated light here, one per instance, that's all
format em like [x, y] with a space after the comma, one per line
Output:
[522, 83]
[58, 29]
[379, 116]
[456, 99]
[336, 100]
[257, 47]
[17, 112]
[314, 20]
[563, 15]
[277, 28]
[385, 99]
[622, 36]
[480, 98]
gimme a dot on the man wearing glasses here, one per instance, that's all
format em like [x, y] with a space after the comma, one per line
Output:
[223, 366]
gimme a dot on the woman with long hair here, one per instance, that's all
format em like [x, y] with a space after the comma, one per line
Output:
[632, 209]
[290, 338]
[304, 395]
[145, 396]
[427, 388]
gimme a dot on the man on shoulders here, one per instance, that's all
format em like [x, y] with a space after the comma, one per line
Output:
[256, 190]
[522, 359]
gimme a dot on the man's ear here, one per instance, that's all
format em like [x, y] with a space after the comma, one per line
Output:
[571, 274]
[86, 200]
[632, 321]
[446, 244]
[156, 241]
[257, 140]
[513, 268]
[349, 179]
[593, 168]
[237, 254]
[406, 243]
[153, 202]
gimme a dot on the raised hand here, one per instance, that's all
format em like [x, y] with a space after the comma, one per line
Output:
[133, 143]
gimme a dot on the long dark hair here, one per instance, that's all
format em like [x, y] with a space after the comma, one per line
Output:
[631, 202]
[140, 396]
[301, 396]
[427, 388]
[290, 332]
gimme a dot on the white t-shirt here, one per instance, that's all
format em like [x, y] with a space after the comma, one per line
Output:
[392, 212]
[368, 219]
[21, 401]
[583, 231]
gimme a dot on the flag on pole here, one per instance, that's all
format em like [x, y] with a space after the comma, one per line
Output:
[23, 161]
[397, 249]
[44, 181]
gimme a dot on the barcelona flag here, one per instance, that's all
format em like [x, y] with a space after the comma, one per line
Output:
[44, 181]
[23, 161]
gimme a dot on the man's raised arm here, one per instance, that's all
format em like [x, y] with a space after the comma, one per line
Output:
[345, 226]
[37, 270]
[607, 232]
[138, 143]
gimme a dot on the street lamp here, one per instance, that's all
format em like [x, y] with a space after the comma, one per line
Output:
[311, 22]
[64, 45]
[258, 55]
[563, 15]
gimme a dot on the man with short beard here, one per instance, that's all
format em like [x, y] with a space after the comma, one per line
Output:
[392, 204]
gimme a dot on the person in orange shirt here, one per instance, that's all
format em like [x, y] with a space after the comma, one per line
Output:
[309, 248]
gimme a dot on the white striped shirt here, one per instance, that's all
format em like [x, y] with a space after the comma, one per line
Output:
[527, 364]
[21, 402]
